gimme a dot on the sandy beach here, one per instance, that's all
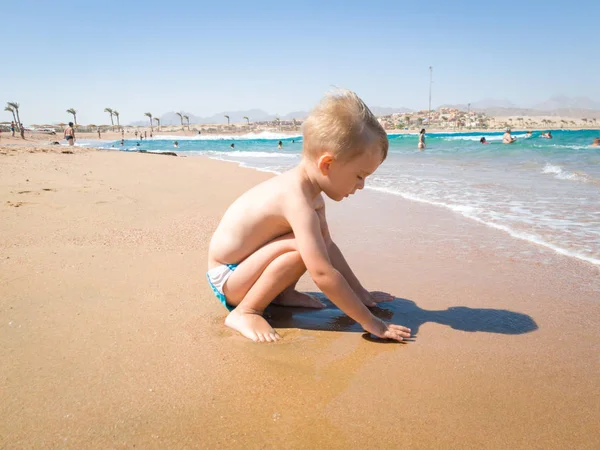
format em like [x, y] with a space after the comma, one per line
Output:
[111, 337]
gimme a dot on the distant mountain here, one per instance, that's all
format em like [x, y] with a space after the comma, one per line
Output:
[564, 102]
[255, 115]
[493, 103]
[578, 113]
[299, 115]
[483, 104]
[579, 107]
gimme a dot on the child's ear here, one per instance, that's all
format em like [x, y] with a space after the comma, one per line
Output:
[324, 163]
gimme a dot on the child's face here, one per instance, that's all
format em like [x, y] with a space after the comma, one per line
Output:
[345, 178]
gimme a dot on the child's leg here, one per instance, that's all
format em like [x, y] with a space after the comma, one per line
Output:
[257, 281]
[291, 297]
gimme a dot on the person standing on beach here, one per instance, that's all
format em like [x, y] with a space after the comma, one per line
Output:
[99, 136]
[278, 230]
[22, 128]
[421, 145]
[70, 134]
[145, 135]
[12, 128]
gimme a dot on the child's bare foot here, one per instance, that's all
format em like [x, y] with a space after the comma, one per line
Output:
[251, 325]
[291, 297]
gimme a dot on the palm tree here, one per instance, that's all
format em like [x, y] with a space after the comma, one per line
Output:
[407, 118]
[11, 110]
[247, 120]
[149, 116]
[74, 112]
[116, 114]
[157, 123]
[187, 118]
[227, 117]
[15, 107]
[278, 122]
[180, 118]
[110, 111]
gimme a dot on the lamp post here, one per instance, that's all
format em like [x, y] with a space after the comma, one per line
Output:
[430, 82]
[469, 114]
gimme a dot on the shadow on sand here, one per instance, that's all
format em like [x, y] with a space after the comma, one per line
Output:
[402, 312]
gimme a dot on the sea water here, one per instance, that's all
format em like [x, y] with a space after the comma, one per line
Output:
[545, 191]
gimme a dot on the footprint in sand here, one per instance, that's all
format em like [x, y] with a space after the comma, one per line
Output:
[15, 204]
[44, 189]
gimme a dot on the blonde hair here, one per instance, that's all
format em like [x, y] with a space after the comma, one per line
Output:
[344, 126]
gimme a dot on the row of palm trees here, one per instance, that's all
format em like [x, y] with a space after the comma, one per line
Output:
[245, 117]
[13, 107]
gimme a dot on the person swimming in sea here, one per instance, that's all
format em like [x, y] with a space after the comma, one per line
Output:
[421, 145]
[483, 141]
[528, 134]
[547, 135]
[232, 145]
[507, 138]
[596, 142]
[279, 145]
[176, 144]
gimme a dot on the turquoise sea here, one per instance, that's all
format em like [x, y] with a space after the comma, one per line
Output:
[545, 191]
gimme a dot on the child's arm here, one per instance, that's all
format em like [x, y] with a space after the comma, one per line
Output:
[311, 245]
[340, 263]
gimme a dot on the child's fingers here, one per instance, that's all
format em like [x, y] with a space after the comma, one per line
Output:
[391, 334]
[399, 329]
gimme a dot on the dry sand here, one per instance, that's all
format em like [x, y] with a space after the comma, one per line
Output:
[111, 337]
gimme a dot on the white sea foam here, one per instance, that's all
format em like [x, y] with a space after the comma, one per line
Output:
[267, 169]
[242, 154]
[478, 137]
[266, 135]
[470, 213]
[561, 174]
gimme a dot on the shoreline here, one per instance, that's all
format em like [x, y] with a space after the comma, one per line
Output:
[34, 147]
[112, 336]
[46, 139]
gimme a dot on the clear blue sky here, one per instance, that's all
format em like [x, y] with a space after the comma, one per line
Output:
[207, 57]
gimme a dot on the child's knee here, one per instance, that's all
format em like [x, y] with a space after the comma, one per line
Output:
[293, 261]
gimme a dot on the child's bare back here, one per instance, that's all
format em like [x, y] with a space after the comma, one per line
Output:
[258, 216]
[276, 231]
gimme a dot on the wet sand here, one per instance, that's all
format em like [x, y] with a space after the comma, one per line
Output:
[111, 337]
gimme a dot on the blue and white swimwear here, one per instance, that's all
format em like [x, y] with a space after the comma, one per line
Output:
[217, 278]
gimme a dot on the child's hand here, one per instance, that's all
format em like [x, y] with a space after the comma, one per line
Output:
[386, 330]
[372, 298]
